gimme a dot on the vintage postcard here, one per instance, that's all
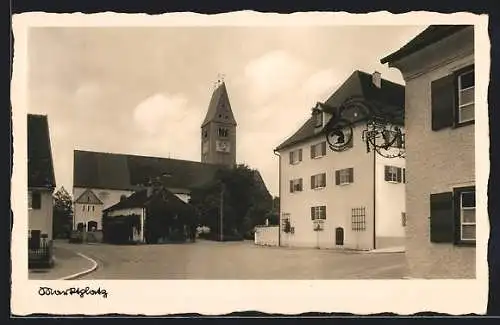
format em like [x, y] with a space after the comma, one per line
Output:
[308, 162]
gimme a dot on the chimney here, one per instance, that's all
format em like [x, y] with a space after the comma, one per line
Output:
[376, 79]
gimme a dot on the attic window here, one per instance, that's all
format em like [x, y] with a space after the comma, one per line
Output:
[318, 118]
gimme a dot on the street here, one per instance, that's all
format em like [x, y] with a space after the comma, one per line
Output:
[235, 260]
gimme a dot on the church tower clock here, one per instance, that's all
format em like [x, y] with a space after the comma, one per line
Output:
[218, 130]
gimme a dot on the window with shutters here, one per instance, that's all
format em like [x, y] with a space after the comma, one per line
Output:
[465, 107]
[344, 176]
[296, 185]
[403, 219]
[403, 175]
[393, 174]
[318, 181]
[318, 212]
[452, 99]
[295, 156]
[465, 214]
[453, 216]
[318, 150]
[34, 200]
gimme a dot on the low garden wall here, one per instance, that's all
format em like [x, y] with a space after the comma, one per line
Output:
[266, 235]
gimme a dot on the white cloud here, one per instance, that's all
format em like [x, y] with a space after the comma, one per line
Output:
[155, 112]
[273, 74]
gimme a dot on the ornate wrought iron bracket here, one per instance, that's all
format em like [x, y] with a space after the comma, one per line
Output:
[381, 134]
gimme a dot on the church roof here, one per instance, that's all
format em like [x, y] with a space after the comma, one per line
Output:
[88, 197]
[219, 109]
[390, 94]
[130, 172]
[40, 164]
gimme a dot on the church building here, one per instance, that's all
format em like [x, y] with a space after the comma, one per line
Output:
[101, 180]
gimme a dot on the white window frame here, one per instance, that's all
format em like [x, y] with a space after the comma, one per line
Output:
[295, 157]
[317, 150]
[462, 222]
[460, 90]
[316, 181]
[319, 212]
[344, 176]
[30, 200]
[393, 174]
[296, 184]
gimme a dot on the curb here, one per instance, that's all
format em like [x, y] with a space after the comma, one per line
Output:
[82, 273]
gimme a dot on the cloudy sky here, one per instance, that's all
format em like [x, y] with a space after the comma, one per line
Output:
[146, 90]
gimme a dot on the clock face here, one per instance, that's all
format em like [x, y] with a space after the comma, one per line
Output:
[223, 146]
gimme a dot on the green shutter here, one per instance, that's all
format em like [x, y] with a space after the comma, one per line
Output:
[300, 184]
[312, 182]
[300, 154]
[441, 218]
[291, 186]
[323, 148]
[313, 151]
[291, 157]
[323, 179]
[312, 213]
[386, 173]
[351, 175]
[337, 177]
[443, 102]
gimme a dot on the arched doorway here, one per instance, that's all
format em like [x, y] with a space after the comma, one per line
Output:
[339, 236]
[92, 226]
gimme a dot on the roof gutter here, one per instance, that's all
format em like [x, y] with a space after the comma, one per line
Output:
[279, 196]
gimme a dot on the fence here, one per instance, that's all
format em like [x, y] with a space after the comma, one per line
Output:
[267, 235]
[40, 252]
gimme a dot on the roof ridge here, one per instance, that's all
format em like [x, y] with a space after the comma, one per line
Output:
[143, 156]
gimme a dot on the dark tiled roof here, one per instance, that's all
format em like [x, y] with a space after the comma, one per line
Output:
[88, 197]
[430, 35]
[163, 199]
[130, 172]
[40, 164]
[219, 105]
[390, 95]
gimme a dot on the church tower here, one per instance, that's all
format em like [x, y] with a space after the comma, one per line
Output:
[218, 130]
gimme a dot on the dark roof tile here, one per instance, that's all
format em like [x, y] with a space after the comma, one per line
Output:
[430, 35]
[391, 95]
[40, 163]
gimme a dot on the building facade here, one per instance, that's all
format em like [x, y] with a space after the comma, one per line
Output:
[41, 179]
[438, 68]
[348, 199]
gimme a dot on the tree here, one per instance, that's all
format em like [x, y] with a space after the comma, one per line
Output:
[62, 213]
[243, 196]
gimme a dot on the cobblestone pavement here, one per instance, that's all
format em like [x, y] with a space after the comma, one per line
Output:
[236, 260]
[67, 262]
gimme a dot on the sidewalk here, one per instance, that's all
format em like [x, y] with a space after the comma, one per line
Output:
[66, 263]
[396, 249]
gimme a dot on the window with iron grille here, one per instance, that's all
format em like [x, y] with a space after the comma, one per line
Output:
[358, 219]
[318, 212]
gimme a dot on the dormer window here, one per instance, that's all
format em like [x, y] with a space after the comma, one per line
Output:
[318, 118]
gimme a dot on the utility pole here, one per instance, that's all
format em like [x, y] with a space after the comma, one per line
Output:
[221, 213]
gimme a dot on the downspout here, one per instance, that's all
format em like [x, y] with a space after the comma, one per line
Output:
[374, 198]
[279, 196]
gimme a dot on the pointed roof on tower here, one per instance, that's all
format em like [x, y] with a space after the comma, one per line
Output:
[219, 109]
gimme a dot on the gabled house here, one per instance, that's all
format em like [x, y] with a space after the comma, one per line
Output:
[438, 68]
[88, 212]
[148, 216]
[347, 199]
[41, 184]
